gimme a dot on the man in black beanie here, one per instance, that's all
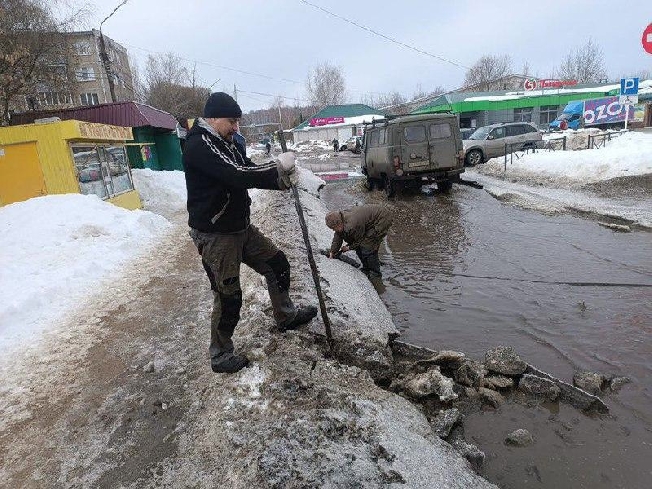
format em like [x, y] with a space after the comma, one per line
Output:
[218, 175]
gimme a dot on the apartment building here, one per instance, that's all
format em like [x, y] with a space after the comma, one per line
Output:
[92, 84]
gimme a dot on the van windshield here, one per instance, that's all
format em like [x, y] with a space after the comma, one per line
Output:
[480, 133]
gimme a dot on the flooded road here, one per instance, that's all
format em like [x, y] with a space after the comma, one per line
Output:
[467, 272]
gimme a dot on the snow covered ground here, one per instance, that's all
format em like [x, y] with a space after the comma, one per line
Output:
[561, 181]
[58, 249]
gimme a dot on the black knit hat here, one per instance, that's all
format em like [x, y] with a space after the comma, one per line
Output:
[221, 104]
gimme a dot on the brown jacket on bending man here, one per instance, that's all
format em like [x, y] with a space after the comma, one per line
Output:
[363, 228]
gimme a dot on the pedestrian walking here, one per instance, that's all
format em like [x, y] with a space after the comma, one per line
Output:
[363, 229]
[241, 142]
[336, 145]
[217, 178]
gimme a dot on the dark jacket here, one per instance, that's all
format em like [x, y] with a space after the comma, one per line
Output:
[217, 179]
[365, 227]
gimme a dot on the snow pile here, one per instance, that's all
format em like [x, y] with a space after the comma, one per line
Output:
[56, 250]
[312, 146]
[629, 154]
[255, 152]
[164, 191]
[575, 139]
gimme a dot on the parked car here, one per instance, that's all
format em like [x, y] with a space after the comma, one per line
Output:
[467, 131]
[494, 140]
[351, 145]
[413, 150]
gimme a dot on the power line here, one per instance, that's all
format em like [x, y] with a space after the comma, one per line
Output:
[111, 14]
[376, 33]
[228, 68]
[272, 95]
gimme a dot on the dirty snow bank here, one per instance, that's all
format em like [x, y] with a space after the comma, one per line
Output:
[636, 211]
[143, 409]
[296, 418]
[609, 182]
[629, 154]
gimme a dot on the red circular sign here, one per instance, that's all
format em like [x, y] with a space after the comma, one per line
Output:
[647, 39]
[530, 84]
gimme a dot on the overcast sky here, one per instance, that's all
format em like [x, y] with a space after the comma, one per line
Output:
[278, 42]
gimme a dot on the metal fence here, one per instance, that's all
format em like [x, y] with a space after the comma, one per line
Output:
[600, 140]
[516, 150]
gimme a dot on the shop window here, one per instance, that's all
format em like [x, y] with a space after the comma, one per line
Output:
[89, 99]
[523, 115]
[102, 170]
[548, 113]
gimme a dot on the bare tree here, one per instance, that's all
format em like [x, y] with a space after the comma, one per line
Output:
[382, 99]
[483, 75]
[585, 64]
[34, 55]
[139, 86]
[640, 74]
[326, 86]
[171, 86]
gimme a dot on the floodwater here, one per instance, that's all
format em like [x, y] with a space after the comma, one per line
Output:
[466, 272]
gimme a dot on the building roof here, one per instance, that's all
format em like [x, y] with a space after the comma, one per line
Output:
[125, 114]
[347, 111]
[506, 99]
[510, 79]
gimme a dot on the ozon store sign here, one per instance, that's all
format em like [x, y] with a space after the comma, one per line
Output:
[533, 84]
[605, 110]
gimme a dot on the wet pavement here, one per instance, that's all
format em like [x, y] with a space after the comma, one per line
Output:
[466, 272]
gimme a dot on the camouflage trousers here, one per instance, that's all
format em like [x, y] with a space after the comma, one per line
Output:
[222, 255]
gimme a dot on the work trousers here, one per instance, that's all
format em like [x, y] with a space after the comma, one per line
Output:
[370, 261]
[222, 255]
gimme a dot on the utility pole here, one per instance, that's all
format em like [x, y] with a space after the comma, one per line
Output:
[104, 55]
[235, 92]
[107, 65]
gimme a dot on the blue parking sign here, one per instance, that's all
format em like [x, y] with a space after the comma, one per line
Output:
[628, 86]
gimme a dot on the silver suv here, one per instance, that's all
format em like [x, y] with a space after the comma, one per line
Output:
[498, 139]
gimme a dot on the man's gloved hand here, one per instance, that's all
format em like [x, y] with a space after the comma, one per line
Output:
[287, 170]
